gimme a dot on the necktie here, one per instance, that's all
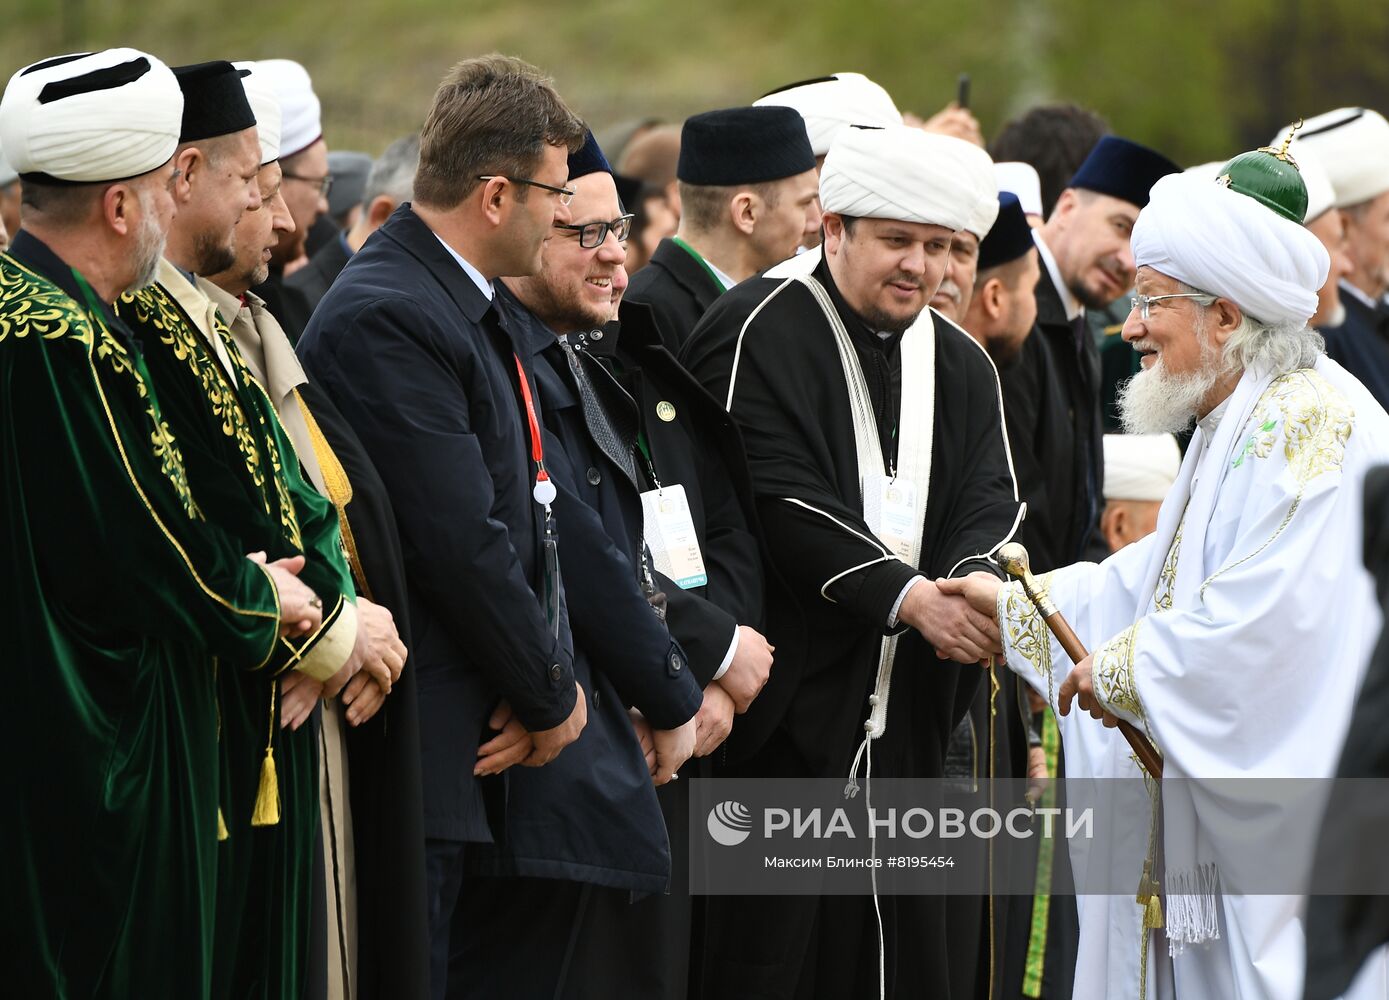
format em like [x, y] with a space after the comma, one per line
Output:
[603, 425]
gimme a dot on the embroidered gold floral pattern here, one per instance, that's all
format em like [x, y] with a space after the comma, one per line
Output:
[1167, 579]
[153, 308]
[1315, 421]
[289, 519]
[32, 305]
[1026, 632]
[1113, 673]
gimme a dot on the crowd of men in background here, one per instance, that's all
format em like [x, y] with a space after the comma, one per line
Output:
[384, 537]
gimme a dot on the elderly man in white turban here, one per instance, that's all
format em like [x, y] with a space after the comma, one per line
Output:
[875, 439]
[1235, 634]
[121, 596]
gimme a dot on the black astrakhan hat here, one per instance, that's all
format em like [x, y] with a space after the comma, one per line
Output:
[1010, 237]
[588, 160]
[1122, 169]
[214, 102]
[743, 146]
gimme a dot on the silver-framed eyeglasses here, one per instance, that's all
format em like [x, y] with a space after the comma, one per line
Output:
[565, 195]
[1144, 303]
[592, 234]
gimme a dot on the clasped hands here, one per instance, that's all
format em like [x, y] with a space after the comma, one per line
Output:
[980, 592]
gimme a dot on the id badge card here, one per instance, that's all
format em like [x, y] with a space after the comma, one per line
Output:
[670, 534]
[889, 508]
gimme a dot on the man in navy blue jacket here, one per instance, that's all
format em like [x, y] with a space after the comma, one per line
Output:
[417, 356]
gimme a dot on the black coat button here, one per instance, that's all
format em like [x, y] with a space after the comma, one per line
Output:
[594, 476]
[556, 672]
[675, 662]
[595, 697]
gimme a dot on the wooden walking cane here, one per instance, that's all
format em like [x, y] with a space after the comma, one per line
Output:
[1013, 558]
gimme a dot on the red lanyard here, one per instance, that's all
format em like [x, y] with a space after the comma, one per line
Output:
[544, 491]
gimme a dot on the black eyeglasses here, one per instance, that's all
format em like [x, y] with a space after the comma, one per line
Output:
[592, 234]
[566, 195]
[324, 183]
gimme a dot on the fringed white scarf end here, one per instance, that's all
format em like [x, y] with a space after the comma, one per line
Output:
[1191, 907]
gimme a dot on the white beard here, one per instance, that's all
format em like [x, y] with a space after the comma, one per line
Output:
[1157, 402]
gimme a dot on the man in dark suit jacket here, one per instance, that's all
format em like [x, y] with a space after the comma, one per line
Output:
[390, 184]
[748, 197]
[1051, 392]
[420, 362]
[627, 436]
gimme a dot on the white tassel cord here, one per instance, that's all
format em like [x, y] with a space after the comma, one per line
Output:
[1191, 907]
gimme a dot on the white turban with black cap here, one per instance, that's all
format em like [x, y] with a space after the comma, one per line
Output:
[91, 117]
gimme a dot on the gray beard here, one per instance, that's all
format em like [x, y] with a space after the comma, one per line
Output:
[148, 250]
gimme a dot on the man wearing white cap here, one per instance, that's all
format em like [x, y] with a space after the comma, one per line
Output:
[305, 411]
[307, 181]
[242, 466]
[852, 396]
[1235, 634]
[1139, 469]
[1352, 145]
[121, 595]
[957, 286]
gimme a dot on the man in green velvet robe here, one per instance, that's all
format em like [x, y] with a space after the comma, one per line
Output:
[123, 599]
[243, 470]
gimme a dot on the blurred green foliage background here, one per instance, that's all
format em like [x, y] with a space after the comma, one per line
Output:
[1198, 79]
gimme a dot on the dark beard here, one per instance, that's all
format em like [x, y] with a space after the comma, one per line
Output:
[885, 323]
[212, 257]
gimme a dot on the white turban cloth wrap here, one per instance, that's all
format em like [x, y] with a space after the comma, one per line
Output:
[301, 122]
[831, 106]
[103, 135]
[266, 107]
[905, 174]
[1226, 243]
[981, 220]
[1140, 466]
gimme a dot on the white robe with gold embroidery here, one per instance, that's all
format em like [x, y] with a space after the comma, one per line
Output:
[1236, 636]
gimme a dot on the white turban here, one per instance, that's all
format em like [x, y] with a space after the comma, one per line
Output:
[1321, 193]
[905, 174]
[1226, 243]
[831, 105]
[1353, 144]
[266, 107]
[1140, 466]
[66, 120]
[1021, 179]
[981, 220]
[301, 122]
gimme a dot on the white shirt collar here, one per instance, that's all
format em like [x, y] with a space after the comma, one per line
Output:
[1346, 286]
[1211, 420]
[1068, 301]
[727, 281]
[483, 285]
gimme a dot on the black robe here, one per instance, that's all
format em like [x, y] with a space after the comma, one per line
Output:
[1051, 395]
[1343, 930]
[1361, 344]
[384, 752]
[679, 290]
[792, 405]
[312, 281]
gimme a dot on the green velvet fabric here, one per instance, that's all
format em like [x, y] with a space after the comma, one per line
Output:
[245, 475]
[118, 595]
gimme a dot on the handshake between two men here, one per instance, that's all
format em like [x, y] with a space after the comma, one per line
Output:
[959, 618]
